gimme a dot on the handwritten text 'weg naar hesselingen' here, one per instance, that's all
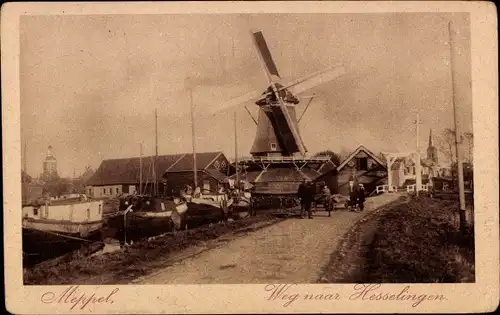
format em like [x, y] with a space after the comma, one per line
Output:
[360, 292]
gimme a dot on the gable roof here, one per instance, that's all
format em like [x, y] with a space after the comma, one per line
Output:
[127, 170]
[353, 154]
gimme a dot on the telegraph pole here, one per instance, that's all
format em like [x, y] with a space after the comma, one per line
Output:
[458, 137]
[25, 157]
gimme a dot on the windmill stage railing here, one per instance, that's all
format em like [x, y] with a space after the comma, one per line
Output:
[283, 159]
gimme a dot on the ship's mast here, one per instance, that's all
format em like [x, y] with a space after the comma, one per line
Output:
[140, 171]
[195, 175]
[155, 173]
[236, 151]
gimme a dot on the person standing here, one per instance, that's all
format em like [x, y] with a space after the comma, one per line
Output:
[301, 193]
[361, 197]
[310, 191]
[353, 196]
[327, 196]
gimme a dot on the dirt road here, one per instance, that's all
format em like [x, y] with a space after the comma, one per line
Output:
[292, 251]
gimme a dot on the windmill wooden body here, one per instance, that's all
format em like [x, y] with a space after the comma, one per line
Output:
[279, 161]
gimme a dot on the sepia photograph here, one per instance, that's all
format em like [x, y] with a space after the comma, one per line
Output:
[237, 148]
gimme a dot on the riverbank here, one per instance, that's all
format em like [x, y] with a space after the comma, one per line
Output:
[139, 259]
[413, 242]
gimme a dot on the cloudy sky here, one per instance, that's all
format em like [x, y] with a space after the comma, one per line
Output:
[90, 84]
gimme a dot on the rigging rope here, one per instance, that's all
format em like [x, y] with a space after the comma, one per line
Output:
[71, 237]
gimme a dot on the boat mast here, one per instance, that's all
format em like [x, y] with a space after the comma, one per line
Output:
[156, 153]
[236, 151]
[193, 140]
[140, 171]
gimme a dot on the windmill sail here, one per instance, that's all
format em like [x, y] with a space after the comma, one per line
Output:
[283, 131]
[286, 127]
[265, 53]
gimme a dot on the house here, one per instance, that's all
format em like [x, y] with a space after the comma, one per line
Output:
[117, 176]
[212, 171]
[361, 164]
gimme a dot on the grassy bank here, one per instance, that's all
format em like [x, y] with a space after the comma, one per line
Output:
[140, 259]
[420, 242]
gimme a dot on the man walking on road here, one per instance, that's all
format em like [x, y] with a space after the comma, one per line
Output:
[306, 194]
[308, 198]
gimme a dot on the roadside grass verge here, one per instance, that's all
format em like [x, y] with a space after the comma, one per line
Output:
[417, 241]
[139, 259]
[420, 242]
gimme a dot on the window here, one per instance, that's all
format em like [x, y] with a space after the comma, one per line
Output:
[35, 211]
[362, 164]
[273, 146]
[206, 186]
[99, 209]
[103, 191]
[117, 190]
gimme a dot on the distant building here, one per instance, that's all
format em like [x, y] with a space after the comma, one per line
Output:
[49, 165]
[404, 173]
[174, 172]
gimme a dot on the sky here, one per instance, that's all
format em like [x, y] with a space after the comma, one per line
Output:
[90, 84]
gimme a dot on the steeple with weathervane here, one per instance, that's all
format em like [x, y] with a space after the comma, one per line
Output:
[432, 152]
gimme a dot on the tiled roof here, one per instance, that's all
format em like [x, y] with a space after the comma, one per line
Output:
[127, 171]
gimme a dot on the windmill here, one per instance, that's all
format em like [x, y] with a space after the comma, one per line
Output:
[279, 163]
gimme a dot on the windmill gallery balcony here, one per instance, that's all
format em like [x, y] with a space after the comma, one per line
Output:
[284, 159]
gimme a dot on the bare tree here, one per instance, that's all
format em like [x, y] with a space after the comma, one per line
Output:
[382, 158]
[470, 145]
[335, 158]
[447, 145]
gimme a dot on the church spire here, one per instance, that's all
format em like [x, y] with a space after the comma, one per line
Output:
[431, 144]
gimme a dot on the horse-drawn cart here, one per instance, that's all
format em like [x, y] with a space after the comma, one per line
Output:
[335, 202]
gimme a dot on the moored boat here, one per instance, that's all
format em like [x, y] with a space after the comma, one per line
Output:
[56, 226]
[206, 208]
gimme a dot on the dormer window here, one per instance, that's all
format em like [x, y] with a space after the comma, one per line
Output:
[274, 147]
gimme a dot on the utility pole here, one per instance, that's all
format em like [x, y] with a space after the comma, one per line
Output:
[418, 174]
[195, 172]
[25, 158]
[458, 137]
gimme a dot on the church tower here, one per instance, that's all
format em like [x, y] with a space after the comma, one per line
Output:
[50, 164]
[432, 153]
